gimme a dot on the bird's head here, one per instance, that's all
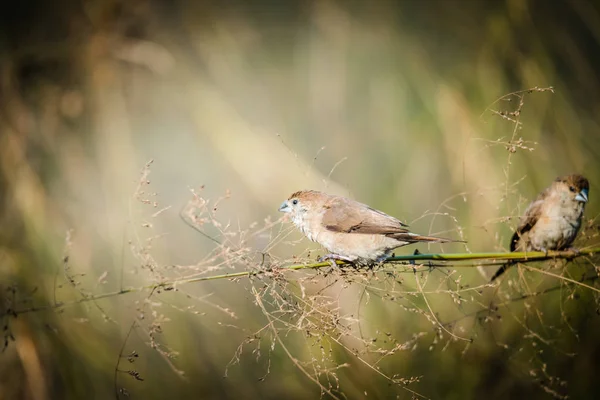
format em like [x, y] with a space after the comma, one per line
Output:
[299, 204]
[574, 187]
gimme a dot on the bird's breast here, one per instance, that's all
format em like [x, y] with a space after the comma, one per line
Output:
[556, 229]
[305, 226]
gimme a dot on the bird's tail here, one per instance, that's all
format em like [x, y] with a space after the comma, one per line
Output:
[413, 238]
[502, 270]
[514, 243]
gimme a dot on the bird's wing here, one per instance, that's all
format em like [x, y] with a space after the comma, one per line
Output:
[345, 215]
[529, 219]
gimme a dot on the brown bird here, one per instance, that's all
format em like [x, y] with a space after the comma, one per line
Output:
[350, 230]
[552, 221]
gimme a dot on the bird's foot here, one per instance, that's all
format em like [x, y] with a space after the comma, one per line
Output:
[332, 258]
[576, 252]
[416, 253]
[381, 259]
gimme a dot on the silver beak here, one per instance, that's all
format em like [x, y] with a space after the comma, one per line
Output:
[284, 207]
[582, 196]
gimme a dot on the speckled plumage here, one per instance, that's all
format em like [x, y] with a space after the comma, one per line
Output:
[553, 219]
[350, 230]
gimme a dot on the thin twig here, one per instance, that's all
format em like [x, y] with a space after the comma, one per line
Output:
[433, 313]
[285, 349]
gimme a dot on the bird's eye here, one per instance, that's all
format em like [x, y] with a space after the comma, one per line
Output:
[572, 189]
[295, 201]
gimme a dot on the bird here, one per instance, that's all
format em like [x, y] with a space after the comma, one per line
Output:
[349, 230]
[553, 219]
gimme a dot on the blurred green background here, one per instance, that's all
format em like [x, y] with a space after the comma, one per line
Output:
[391, 103]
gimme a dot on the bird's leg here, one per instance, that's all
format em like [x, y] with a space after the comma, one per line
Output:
[575, 250]
[333, 257]
[416, 253]
[412, 262]
[381, 259]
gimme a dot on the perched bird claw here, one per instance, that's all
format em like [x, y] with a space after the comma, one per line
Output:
[545, 251]
[416, 253]
[381, 259]
[333, 257]
[576, 252]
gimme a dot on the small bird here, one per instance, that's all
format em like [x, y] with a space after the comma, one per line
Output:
[349, 230]
[552, 221]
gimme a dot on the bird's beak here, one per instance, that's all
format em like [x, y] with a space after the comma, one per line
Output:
[582, 196]
[284, 207]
